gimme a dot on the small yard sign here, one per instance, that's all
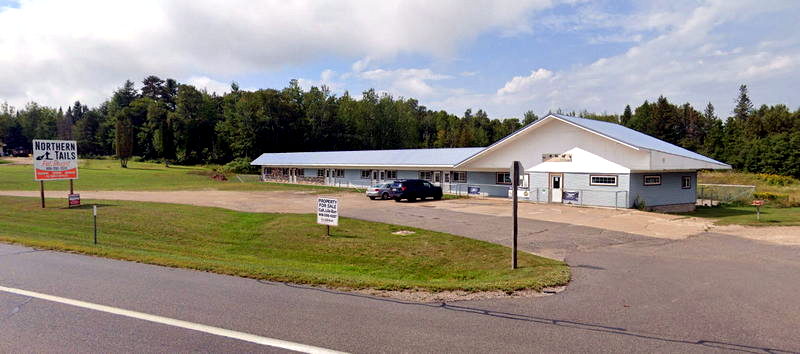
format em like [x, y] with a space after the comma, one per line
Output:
[74, 200]
[55, 159]
[327, 211]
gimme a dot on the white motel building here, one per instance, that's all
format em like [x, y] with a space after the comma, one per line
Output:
[566, 160]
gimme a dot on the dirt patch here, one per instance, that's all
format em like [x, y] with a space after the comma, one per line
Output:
[17, 161]
[219, 177]
[783, 235]
[450, 296]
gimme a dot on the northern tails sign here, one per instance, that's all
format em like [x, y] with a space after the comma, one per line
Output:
[55, 159]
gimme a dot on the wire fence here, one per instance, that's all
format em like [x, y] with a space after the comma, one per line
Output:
[712, 194]
[247, 178]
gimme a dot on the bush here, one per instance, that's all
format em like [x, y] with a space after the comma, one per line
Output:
[776, 180]
[239, 165]
[778, 200]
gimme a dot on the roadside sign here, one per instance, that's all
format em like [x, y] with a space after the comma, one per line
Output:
[55, 159]
[327, 211]
[74, 200]
[473, 190]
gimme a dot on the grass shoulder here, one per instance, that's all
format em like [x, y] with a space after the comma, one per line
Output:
[279, 247]
[746, 215]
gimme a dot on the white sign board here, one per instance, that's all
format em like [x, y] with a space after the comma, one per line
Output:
[327, 211]
[55, 159]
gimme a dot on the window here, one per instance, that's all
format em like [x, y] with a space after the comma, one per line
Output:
[459, 176]
[686, 182]
[391, 174]
[503, 178]
[301, 172]
[339, 173]
[365, 174]
[426, 175]
[652, 180]
[320, 173]
[603, 180]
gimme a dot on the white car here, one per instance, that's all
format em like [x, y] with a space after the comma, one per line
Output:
[379, 191]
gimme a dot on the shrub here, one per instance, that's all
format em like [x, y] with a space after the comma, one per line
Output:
[778, 200]
[239, 165]
[776, 180]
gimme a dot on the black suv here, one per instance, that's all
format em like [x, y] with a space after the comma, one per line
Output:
[413, 189]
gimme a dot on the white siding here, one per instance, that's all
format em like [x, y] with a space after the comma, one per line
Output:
[557, 137]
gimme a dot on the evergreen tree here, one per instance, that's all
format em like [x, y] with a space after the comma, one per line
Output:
[627, 115]
[744, 106]
[124, 138]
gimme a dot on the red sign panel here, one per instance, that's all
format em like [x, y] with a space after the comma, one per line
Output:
[74, 200]
[67, 174]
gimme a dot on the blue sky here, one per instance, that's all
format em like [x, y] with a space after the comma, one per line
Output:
[501, 56]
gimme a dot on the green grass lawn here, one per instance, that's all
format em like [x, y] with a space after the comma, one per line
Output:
[746, 215]
[108, 175]
[280, 247]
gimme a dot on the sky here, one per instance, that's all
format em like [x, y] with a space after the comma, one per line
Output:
[505, 57]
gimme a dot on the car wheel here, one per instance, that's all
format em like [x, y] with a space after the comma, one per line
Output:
[437, 197]
[397, 199]
[373, 198]
[385, 196]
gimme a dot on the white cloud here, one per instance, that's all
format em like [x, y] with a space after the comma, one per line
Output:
[520, 83]
[327, 78]
[56, 51]
[405, 82]
[690, 58]
[209, 84]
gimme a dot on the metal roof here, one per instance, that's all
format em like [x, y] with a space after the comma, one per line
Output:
[400, 157]
[634, 138]
[452, 157]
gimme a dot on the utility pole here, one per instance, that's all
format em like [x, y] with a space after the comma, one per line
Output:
[515, 172]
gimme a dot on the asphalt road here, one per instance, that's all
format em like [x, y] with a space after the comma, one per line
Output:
[629, 294]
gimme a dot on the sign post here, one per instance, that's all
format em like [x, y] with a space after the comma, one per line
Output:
[328, 212]
[55, 160]
[94, 216]
[516, 168]
[758, 204]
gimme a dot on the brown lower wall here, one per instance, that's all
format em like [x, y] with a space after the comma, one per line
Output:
[673, 208]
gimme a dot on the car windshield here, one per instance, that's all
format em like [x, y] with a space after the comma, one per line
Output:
[378, 186]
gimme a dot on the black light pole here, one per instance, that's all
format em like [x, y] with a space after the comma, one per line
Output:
[515, 167]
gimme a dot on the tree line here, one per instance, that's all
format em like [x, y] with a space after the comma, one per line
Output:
[178, 123]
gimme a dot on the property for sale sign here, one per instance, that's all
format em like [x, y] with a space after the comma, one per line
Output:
[55, 159]
[328, 211]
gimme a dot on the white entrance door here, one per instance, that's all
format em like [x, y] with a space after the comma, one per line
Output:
[437, 178]
[556, 185]
[330, 176]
